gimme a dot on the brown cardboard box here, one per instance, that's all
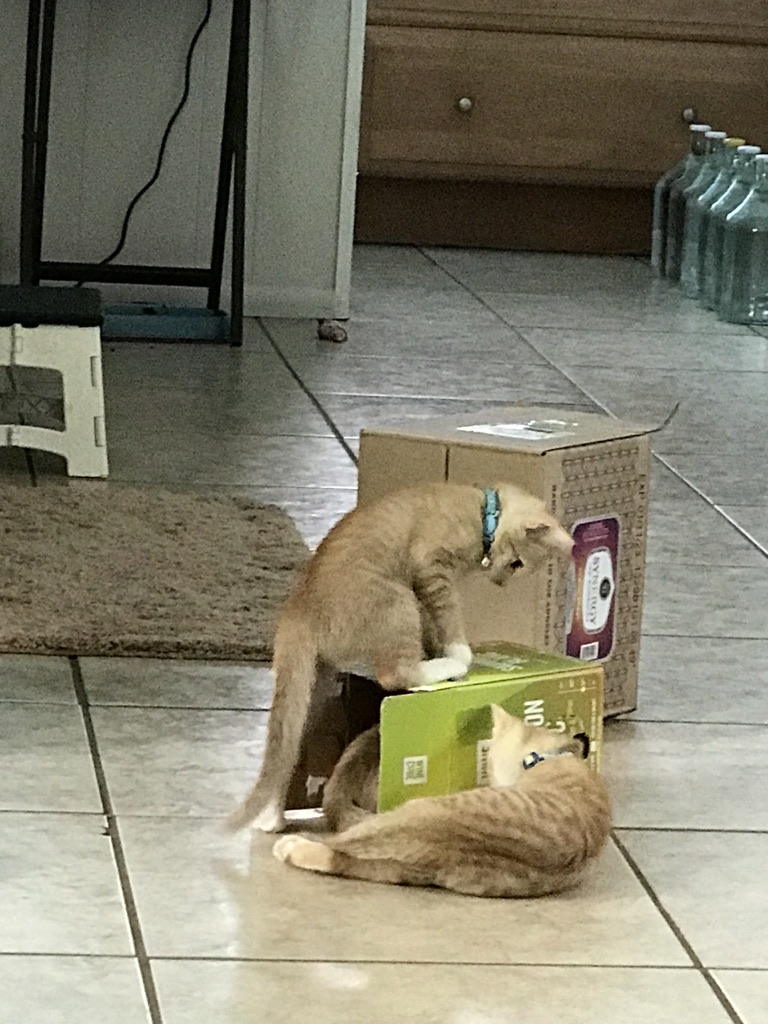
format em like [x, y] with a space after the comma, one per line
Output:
[593, 473]
[333, 722]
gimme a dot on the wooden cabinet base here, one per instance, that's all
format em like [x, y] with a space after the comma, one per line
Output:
[504, 215]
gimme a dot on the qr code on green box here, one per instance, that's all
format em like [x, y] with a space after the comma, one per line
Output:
[415, 770]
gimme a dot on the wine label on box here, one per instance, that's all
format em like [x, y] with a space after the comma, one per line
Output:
[592, 578]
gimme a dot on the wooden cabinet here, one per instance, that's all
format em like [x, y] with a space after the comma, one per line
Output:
[523, 106]
[578, 94]
[741, 21]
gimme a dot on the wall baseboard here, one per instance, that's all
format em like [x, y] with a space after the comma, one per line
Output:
[504, 215]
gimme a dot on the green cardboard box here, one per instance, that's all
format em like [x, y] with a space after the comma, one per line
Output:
[434, 739]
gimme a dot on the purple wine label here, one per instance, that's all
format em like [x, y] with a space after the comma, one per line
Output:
[593, 575]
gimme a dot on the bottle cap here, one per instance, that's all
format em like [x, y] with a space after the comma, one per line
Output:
[701, 127]
[716, 135]
[752, 150]
[762, 157]
[731, 141]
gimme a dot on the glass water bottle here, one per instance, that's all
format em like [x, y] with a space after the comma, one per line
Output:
[662, 190]
[702, 176]
[737, 192]
[744, 295]
[697, 207]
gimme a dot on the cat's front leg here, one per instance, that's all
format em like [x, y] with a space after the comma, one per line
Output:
[442, 609]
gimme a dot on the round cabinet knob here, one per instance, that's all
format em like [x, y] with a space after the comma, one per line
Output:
[689, 115]
[465, 104]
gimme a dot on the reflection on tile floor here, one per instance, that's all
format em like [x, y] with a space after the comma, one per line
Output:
[712, 885]
[165, 919]
[149, 770]
[59, 888]
[729, 792]
[203, 894]
[67, 989]
[746, 990]
[196, 993]
[168, 683]
[46, 763]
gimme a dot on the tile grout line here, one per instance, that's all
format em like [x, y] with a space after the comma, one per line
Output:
[737, 526]
[517, 333]
[651, 721]
[191, 707]
[496, 964]
[708, 636]
[601, 405]
[146, 816]
[706, 974]
[701, 636]
[129, 901]
[692, 830]
[525, 341]
[662, 458]
[680, 721]
[308, 392]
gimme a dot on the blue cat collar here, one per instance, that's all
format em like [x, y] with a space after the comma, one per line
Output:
[532, 759]
[491, 513]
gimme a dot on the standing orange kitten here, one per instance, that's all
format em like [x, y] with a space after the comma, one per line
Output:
[535, 830]
[379, 594]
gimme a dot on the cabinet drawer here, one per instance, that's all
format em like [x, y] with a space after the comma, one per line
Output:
[548, 108]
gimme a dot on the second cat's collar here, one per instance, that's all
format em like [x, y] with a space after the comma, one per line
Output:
[532, 759]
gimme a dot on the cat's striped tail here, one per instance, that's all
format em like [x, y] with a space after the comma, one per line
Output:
[295, 667]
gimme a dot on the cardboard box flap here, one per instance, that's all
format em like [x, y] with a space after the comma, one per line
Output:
[527, 428]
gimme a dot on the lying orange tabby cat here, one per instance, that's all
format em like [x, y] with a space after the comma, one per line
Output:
[379, 594]
[542, 821]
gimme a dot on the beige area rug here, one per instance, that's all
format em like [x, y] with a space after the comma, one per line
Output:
[101, 569]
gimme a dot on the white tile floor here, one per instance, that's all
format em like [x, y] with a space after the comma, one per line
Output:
[121, 898]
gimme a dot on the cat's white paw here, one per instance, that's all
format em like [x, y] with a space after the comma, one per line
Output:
[303, 853]
[461, 653]
[271, 819]
[456, 669]
[439, 670]
[284, 845]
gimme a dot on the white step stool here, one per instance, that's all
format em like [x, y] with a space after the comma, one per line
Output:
[59, 329]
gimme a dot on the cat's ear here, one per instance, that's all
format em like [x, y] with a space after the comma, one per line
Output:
[578, 745]
[501, 719]
[551, 535]
[503, 722]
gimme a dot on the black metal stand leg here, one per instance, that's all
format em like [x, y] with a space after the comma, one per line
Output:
[37, 105]
[232, 158]
[43, 120]
[225, 174]
[240, 161]
[232, 170]
[29, 145]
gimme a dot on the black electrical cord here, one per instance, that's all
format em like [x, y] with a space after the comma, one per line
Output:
[163, 144]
